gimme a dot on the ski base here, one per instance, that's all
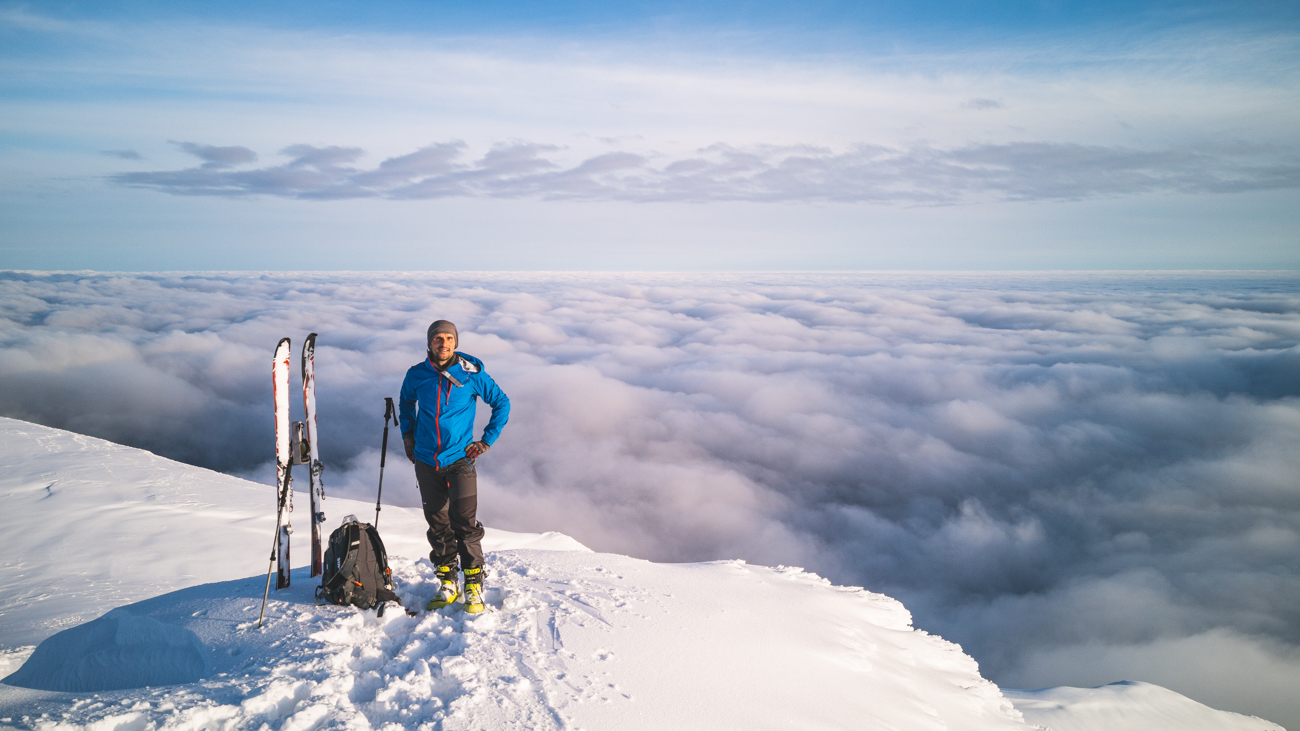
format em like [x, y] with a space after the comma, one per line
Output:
[282, 560]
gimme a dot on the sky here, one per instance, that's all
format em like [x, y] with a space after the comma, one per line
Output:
[1080, 478]
[151, 136]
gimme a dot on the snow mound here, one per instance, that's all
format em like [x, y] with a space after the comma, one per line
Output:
[1127, 706]
[118, 650]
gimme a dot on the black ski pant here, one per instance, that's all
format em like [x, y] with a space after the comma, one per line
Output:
[450, 499]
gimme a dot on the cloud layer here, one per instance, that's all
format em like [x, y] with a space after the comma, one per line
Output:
[808, 173]
[1034, 463]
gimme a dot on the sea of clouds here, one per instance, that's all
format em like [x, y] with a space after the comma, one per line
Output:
[1081, 478]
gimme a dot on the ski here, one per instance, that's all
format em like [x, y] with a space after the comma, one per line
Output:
[283, 458]
[314, 466]
[283, 463]
[282, 559]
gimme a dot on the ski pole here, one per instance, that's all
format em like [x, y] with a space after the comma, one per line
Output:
[275, 546]
[389, 413]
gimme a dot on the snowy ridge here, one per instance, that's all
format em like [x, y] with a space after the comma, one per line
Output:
[1127, 706]
[573, 639]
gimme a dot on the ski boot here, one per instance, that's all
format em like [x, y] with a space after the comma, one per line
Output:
[474, 591]
[447, 591]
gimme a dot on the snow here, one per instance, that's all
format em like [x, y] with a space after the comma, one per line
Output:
[142, 579]
[573, 639]
[118, 650]
[1127, 706]
[105, 525]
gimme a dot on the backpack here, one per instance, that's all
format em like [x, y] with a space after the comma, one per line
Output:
[355, 570]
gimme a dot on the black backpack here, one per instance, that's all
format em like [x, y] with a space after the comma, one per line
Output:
[356, 568]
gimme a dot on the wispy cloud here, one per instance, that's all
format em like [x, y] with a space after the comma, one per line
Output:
[865, 173]
[122, 154]
[218, 158]
[17, 17]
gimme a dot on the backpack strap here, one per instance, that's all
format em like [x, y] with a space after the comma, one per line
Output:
[378, 544]
[384, 595]
[381, 558]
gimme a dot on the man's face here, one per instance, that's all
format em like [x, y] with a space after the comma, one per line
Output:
[443, 346]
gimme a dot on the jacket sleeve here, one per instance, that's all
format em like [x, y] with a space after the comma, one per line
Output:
[407, 404]
[494, 397]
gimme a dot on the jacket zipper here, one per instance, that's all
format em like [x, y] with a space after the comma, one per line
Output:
[437, 424]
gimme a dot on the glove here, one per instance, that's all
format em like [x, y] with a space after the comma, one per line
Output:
[408, 441]
[475, 449]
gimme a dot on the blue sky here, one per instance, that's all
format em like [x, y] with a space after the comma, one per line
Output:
[915, 22]
[833, 135]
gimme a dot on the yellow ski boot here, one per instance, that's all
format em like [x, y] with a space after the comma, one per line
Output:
[474, 591]
[447, 592]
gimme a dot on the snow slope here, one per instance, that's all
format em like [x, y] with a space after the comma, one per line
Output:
[574, 639]
[105, 525]
[1126, 706]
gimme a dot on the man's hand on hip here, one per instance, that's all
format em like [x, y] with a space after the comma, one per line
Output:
[475, 449]
[408, 441]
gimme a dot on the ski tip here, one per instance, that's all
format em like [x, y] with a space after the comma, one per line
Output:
[308, 356]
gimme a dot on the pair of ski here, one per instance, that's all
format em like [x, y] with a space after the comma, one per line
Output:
[294, 444]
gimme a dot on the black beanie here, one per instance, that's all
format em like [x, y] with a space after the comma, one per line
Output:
[441, 326]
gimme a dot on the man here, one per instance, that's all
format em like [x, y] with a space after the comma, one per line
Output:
[438, 402]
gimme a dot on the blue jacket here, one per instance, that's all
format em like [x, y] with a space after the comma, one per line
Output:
[439, 408]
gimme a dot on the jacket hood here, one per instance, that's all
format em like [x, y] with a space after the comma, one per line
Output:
[465, 357]
[467, 363]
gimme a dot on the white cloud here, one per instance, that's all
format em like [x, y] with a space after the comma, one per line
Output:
[1031, 462]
